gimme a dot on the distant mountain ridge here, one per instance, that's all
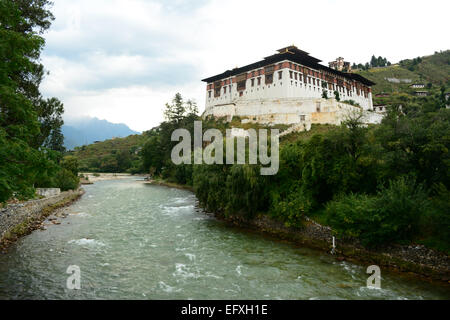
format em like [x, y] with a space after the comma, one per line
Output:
[87, 130]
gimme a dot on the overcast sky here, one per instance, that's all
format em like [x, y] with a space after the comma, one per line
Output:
[122, 60]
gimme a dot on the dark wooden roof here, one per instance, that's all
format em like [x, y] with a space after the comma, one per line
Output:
[293, 54]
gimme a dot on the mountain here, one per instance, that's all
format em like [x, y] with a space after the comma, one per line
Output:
[87, 130]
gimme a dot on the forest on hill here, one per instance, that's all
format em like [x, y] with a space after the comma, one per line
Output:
[118, 155]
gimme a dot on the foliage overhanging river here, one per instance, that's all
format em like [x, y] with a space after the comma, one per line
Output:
[138, 241]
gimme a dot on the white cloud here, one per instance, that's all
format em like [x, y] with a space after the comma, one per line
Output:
[122, 60]
[140, 107]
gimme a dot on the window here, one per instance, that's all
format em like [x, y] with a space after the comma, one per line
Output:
[241, 85]
[269, 78]
[259, 81]
[280, 75]
[209, 94]
[302, 117]
[290, 74]
[241, 94]
[318, 106]
[224, 90]
[217, 87]
[253, 82]
[295, 75]
[241, 81]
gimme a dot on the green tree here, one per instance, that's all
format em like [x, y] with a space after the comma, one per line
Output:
[24, 161]
[152, 154]
[373, 62]
[123, 160]
[36, 16]
[390, 216]
[337, 96]
[70, 163]
[50, 113]
[18, 120]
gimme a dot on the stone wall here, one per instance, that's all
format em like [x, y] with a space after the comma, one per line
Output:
[291, 111]
[21, 217]
[48, 192]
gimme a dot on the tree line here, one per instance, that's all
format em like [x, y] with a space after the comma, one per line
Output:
[374, 63]
[380, 184]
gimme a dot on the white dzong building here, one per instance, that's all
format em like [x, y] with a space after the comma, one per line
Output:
[287, 88]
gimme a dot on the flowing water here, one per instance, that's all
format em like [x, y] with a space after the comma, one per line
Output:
[137, 241]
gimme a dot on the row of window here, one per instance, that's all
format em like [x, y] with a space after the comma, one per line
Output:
[268, 79]
[241, 85]
[307, 73]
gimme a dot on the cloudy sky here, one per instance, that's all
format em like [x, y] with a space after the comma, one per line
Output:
[122, 60]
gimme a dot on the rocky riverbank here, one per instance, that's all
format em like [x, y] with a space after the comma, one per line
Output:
[90, 178]
[17, 220]
[416, 259]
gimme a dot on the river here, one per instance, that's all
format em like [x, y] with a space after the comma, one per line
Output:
[137, 241]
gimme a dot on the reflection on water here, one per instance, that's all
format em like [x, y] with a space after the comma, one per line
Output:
[137, 241]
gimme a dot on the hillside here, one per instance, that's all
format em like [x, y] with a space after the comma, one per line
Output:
[113, 155]
[432, 71]
[380, 76]
[86, 130]
[122, 154]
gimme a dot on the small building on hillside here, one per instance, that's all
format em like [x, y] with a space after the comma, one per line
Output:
[340, 65]
[379, 107]
[421, 93]
[417, 85]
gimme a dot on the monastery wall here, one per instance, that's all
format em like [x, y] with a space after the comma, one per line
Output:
[290, 111]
